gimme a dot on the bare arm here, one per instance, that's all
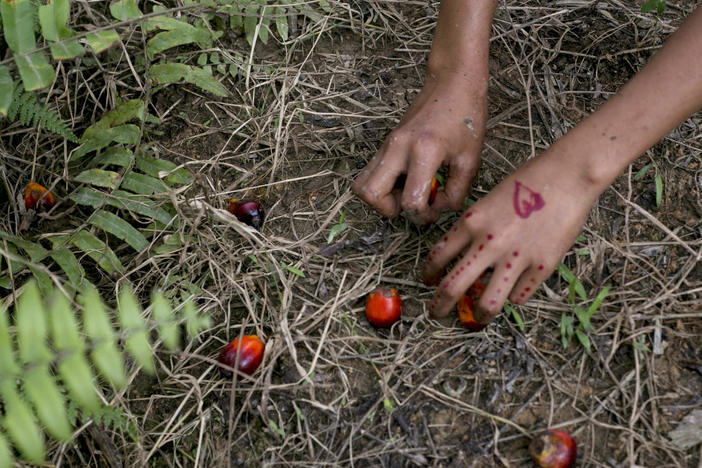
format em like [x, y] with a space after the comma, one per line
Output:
[523, 227]
[444, 125]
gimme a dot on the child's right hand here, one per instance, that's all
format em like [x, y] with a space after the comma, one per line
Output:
[444, 126]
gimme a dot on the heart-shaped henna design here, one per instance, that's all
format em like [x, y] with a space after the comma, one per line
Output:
[526, 201]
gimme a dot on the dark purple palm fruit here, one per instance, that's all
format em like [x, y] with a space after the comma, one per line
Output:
[247, 211]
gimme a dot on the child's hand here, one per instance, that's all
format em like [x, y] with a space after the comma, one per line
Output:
[444, 126]
[521, 229]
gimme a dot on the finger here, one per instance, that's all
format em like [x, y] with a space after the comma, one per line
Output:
[376, 188]
[425, 160]
[528, 283]
[458, 280]
[462, 171]
[450, 246]
[501, 284]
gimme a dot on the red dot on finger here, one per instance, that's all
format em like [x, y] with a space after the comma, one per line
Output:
[515, 254]
[541, 267]
[489, 236]
[469, 214]
[505, 279]
[481, 247]
[527, 289]
[445, 238]
[509, 265]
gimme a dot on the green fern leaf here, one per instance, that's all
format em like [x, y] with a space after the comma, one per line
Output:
[137, 342]
[97, 250]
[119, 228]
[31, 326]
[50, 406]
[18, 24]
[20, 424]
[8, 365]
[25, 108]
[73, 368]
[7, 89]
[167, 327]
[5, 454]
[105, 354]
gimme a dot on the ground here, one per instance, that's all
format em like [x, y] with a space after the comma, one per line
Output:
[333, 390]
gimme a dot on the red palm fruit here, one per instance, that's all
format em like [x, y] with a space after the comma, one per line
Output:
[465, 309]
[476, 289]
[250, 354]
[383, 307]
[553, 449]
[247, 211]
[37, 197]
[432, 191]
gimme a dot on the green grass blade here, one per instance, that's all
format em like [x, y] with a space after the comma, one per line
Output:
[42, 391]
[598, 301]
[137, 342]
[658, 180]
[163, 315]
[515, 315]
[120, 229]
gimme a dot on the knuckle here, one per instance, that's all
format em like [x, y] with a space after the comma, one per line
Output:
[426, 141]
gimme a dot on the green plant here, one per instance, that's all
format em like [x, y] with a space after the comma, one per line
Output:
[650, 5]
[657, 180]
[568, 326]
[27, 359]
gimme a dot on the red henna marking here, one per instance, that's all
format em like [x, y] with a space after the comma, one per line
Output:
[489, 236]
[521, 295]
[493, 301]
[515, 254]
[509, 265]
[475, 256]
[505, 279]
[527, 289]
[481, 247]
[499, 291]
[463, 268]
[468, 263]
[445, 238]
[469, 214]
[525, 200]
[541, 267]
[533, 280]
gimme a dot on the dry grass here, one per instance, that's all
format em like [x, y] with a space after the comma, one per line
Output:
[334, 391]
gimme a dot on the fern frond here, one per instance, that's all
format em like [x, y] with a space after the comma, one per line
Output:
[26, 109]
[27, 358]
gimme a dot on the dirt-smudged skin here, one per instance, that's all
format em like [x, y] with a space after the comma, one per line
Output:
[383, 307]
[553, 449]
